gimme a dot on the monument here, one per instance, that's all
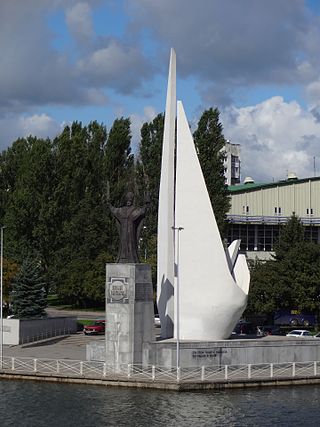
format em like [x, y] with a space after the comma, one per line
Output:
[202, 287]
[129, 292]
[206, 296]
[129, 218]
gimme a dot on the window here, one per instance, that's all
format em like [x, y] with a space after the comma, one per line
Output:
[247, 209]
[279, 210]
[307, 211]
[275, 210]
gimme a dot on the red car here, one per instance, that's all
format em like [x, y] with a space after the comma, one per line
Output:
[98, 327]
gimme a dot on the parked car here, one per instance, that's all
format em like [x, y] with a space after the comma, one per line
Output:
[294, 317]
[97, 327]
[300, 333]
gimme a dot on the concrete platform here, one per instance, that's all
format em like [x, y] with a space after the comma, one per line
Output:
[234, 352]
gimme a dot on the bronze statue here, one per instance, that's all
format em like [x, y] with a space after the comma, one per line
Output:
[129, 220]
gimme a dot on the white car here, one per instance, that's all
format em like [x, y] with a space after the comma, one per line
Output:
[300, 333]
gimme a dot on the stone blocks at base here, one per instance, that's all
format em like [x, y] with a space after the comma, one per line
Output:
[129, 314]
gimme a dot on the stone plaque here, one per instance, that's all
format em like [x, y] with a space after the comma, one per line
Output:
[117, 290]
[143, 292]
[208, 353]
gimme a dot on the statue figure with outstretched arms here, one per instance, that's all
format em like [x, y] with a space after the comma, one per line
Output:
[129, 221]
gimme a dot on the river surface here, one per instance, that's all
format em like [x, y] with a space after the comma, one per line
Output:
[26, 403]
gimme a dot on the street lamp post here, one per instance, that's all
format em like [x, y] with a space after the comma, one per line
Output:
[177, 291]
[1, 295]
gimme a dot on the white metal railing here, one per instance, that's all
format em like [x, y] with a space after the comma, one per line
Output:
[275, 219]
[152, 373]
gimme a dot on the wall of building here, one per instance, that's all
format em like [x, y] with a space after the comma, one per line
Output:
[232, 163]
[257, 212]
[279, 200]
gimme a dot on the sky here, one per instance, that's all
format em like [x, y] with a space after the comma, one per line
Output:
[258, 62]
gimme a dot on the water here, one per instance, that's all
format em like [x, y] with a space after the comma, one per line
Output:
[25, 403]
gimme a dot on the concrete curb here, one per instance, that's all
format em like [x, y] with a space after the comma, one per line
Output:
[170, 386]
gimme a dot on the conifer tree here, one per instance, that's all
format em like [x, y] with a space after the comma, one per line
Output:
[209, 141]
[28, 291]
[148, 172]
[150, 156]
[119, 160]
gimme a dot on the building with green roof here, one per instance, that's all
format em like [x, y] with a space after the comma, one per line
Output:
[259, 209]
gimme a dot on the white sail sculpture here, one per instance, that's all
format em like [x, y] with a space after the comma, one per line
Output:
[211, 285]
[166, 210]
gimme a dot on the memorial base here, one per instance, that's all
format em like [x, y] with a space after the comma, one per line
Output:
[129, 313]
[233, 352]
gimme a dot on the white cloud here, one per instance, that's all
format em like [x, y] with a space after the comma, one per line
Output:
[137, 120]
[313, 92]
[276, 137]
[117, 65]
[79, 21]
[14, 127]
[40, 125]
[34, 72]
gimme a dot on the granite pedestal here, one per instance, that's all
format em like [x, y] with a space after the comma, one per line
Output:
[129, 313]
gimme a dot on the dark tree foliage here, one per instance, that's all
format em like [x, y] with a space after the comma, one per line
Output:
[53, 200]
[148, 178]
[291, 279]
[29, 300]
[82, 222]
[52, 203]
[119, 161]
[27, 177]
[291, 235]
[150, 155]
[209, 141]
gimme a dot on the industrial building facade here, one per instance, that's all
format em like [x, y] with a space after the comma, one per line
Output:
[232, 163]
[258, 210]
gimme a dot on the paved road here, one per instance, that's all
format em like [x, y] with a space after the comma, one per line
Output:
[68, 347]
[74, 346]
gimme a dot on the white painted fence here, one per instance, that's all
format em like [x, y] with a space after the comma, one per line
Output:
[100, 370]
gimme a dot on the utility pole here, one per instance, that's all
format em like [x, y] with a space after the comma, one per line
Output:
[1, 297]
[177, 291]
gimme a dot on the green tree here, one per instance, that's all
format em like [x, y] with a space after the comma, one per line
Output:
[292, 278]
[27, 177]
[148, 171]
[291, 235]
[29, 298]
[119, 167]
[119, 160]
[150, 156]
[209, 141]
[82, 221]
